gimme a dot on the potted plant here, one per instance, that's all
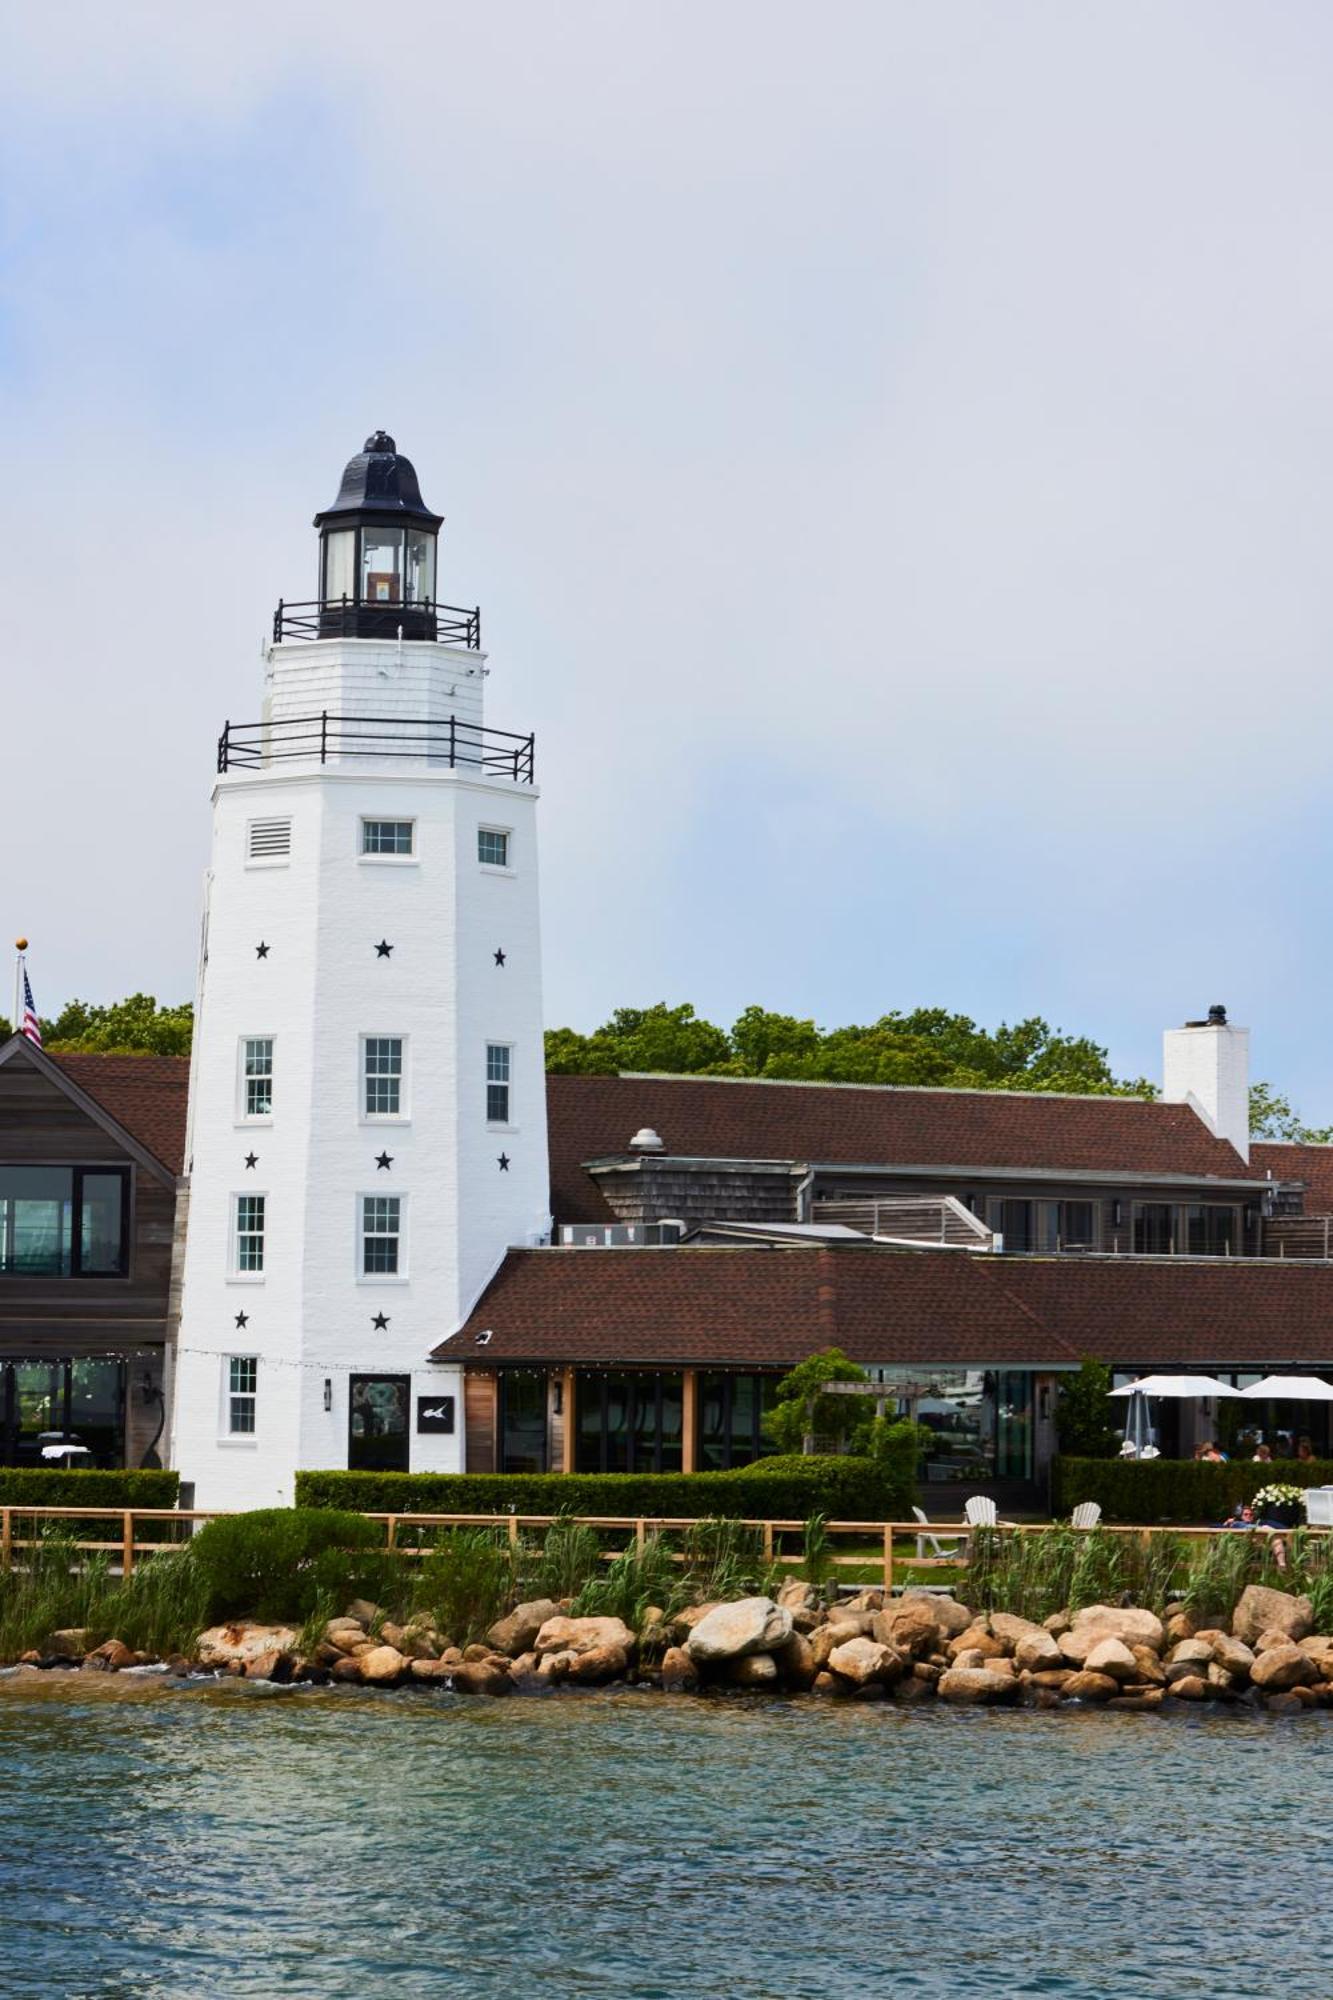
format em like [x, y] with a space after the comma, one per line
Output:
[1283, 1505]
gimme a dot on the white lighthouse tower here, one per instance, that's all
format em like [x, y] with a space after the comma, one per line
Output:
[367, 1108]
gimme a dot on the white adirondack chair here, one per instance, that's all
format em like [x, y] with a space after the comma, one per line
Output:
[980, 1512]
[1319, 1506]
[952, 1553]
[1087, 1514]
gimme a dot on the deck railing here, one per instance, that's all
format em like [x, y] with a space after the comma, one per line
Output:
[334, 739]
[877, 1538]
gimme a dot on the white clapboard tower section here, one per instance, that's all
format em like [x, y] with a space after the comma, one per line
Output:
[371, 913]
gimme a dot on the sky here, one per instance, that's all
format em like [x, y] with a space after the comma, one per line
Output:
[890, 446]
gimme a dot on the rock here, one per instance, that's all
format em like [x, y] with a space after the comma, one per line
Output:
[1197, 1650]
[1138, 1699]
[685, 1621]
[795, 1662]
[517, 1632]
[801, 1599]
[32, 1658]
[977, 1684]
[1043, 1697]
[336, 1626]
[1267, 1640]
[1132, 1625]
[391, 1635]
[678, 1670]
[1219, 1679]
[1320, 1650]
[277, 1665]
[862, 1660]
[364, 1612]
[71, 1644]
[1052, 1677]
[112, 1658]
[1090, 1686]
[582, 1635]
[1260, 1610]
[1284, 1704]
[1179, 1626]
[1190, 1687]
[751, 1670]
[854, 1623]
[599, 1664]
[836, 1633]
[869, 1691]
[351, 1639]
[1233, 1654]
[829, 1684]
[177, 1665]
[913, 1689]
[976, 1639]
[927, 1671]
[238, 1644]
[1010, 1629]
[1058, 1622]
[865, 1600]
[1037, 1652]
[1283, 1667]
[970, 1657]
[909, 1626]
[347, 1669]
[430, 1670]
[1147, 1666]
[552, 1668]
[382, 1666]
[483, 1677]
[421, 1642]
[750, 1625]
[1114, 1658]
[951, 1616]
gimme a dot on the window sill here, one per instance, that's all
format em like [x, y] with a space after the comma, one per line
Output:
[385, 1118]
[247, 1124]
[389, 860]
[246, 1277]
[492, 1125]
[226, 1442]
[494, 868]
[383, 1278]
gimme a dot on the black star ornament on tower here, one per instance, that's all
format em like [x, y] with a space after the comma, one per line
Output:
[252, 1159]
[504, 1163]
[380, 1321]
[383, 1160]
[499, 958]
[261, 951]
[382, 949]
[242, 1319]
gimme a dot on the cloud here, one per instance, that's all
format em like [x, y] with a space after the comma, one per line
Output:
[891, 452]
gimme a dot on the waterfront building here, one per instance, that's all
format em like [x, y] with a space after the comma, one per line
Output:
[367, 1114]
[88, 1182]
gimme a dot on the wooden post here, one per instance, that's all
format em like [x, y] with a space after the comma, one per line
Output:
[768, 1541]
[568, 1435]
[640, 1535]
[127, 1545]
[513, 1531]
[888, 1557]
[6, 1538]
[689, 1419]
[391, 1536]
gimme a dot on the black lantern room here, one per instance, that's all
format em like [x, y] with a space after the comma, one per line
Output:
[377, 550]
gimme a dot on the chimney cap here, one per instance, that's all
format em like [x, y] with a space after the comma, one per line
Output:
[1217, 1017]
[645, 1140]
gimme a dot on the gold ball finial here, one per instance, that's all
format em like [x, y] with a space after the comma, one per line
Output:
[20, 944]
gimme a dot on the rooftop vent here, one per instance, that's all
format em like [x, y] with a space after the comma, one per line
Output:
[1217, 1018]
[645, 1140]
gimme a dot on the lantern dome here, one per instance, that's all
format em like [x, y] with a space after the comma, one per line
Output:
[380, 481]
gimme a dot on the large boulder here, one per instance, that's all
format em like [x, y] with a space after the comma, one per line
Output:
[1009, 1628]
[1320, 1648]
[599, 1663]
[951, 1616]
[581, 1635]
[750, 1625]
[752, 1670]
[1259, 1610]
[238, 1644]
[910, 1626]
[1038, 1653]
[1089, 1686]
[976, 1639]
[1283, 1667]
[1132, 1625]
[678, 1670]
[862, 1660]
[1112, 1657]
[112, 1658]
[483, 1676]
[517, 1632]
[795, 1661]
[382, 1666]
[71, 1644]
[977, 1684]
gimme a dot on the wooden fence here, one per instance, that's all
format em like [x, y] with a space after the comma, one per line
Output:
[140, 1531]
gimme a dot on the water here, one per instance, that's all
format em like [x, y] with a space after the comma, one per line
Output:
[183, 1843]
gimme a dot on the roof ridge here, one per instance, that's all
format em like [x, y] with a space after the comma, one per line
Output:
[885, 1089]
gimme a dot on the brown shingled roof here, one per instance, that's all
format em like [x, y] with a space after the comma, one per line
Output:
[146, 1094]
[687, 1307]
[762, 1307]
[1288, 1161]
[591, 1117]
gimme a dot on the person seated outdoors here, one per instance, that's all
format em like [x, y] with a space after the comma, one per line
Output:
[1262, 1455]
[1211, 1453]
[1305, 1450]
[1241, 1516]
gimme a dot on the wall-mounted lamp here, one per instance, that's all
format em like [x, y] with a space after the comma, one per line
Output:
[558, 1397]
[328, 1393]
[1044, 1402]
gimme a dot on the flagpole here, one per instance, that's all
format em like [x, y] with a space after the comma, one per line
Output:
[20, 946]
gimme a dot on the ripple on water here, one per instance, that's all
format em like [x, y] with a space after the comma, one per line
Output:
[226, 1838]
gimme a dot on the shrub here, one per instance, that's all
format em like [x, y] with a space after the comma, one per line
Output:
[1084, 1421]
[467, 1581]
[285, 1562]
[843, 1489]
[1189, 1491]
[47, 1486]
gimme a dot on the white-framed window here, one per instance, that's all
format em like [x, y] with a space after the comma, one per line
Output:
[380, 1227]
[499, 1061]
[257, 1076]
[268, 841]
[382, 1076]
[494, 845]
[249, 1222]
[242, 1394]
[389, 839]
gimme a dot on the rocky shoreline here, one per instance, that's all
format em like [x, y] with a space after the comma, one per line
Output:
[914, 1648]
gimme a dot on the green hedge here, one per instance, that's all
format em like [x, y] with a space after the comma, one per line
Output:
[1191, 1492]
[844, 1489]
[50, 1486]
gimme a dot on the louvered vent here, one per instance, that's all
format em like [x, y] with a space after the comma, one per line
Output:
[270, 839]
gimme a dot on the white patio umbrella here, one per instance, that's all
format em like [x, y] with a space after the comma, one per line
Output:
[1290, 1389]
[1182, 1386]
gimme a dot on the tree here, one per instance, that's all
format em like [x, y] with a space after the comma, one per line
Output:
[1083, 1419]
[801, 1413]
[136, 1026]
[1272, 1117]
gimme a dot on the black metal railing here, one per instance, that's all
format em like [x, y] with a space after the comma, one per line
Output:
[328, 739]
[361, 618]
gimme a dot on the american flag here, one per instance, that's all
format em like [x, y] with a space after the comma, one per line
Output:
[32, 1027]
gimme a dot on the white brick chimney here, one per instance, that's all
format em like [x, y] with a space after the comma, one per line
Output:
[1207, 1064]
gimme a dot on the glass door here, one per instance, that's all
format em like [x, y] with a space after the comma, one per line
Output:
[377, 1423]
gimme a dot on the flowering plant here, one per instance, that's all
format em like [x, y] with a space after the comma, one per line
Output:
[1280, 1495]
